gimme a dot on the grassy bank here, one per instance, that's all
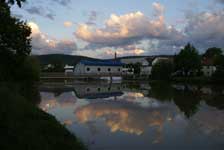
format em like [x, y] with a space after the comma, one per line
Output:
[24, 126]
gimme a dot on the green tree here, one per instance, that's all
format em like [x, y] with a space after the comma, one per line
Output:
[162, 70]
[212, 52]
[58, 65]
[30, 70]
[188, 60]
[15, 47]
[215, 55]
[219, 73]
[219, 60]
[137, 68]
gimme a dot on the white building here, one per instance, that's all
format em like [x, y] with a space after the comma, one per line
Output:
[146, 66]
[104, 67]
[208, 67]
[146, 70]
[208, 70]
[68, 69]
[128, 71]
[159, 59]
[141, 60]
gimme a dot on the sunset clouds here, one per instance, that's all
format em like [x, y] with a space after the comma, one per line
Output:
[44, 44]
[68, 24]
[129, 28]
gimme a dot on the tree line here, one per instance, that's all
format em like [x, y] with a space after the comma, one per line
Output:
[188, 63]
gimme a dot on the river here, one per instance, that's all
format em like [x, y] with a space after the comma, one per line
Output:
[138, 116]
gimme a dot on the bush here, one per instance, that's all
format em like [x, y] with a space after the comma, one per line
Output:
[162, 70]
[218, 76]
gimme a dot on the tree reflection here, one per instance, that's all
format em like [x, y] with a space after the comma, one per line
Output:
[187, 97]
[187, 102]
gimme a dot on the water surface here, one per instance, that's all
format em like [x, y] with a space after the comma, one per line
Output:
[139, 115]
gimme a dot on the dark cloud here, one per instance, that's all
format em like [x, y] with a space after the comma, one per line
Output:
[50, 16]
[220, 1]
[63, 2]
[34, 10]
[205, 29]
[92, 17]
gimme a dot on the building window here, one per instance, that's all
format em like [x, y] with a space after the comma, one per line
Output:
[119, 69]
[98, 89]
[109, 69]
[99, 69]
[87, 89]
[87, 69]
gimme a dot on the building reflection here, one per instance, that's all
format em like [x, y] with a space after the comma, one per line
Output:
[99, 90]
[186, 97]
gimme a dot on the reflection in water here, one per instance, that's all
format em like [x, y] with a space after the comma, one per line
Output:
[146, 116]
[126, 117]
[209, 121]
[50, 101]
[93, 91]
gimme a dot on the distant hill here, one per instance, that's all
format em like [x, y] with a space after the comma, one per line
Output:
[152, 56]
[65, 59]
[74, 59]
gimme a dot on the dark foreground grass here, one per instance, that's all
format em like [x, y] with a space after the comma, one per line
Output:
[23, 126]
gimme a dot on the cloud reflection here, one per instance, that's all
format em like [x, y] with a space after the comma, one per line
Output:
[126, 117]
[50, 101]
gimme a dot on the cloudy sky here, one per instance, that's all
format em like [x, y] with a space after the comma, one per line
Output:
[98, 28]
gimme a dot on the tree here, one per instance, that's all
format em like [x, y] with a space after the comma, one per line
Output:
[19, 2]
[137, 68]
[162, 70]
[219, 73]
[15, 47]
[58, 65]
[219, 61]
[188, 60]
[212, 52]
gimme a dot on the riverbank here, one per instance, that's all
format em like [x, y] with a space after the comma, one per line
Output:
[25, 126]
[184, 80]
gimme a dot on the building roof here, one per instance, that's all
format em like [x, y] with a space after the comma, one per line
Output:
[102, 63]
